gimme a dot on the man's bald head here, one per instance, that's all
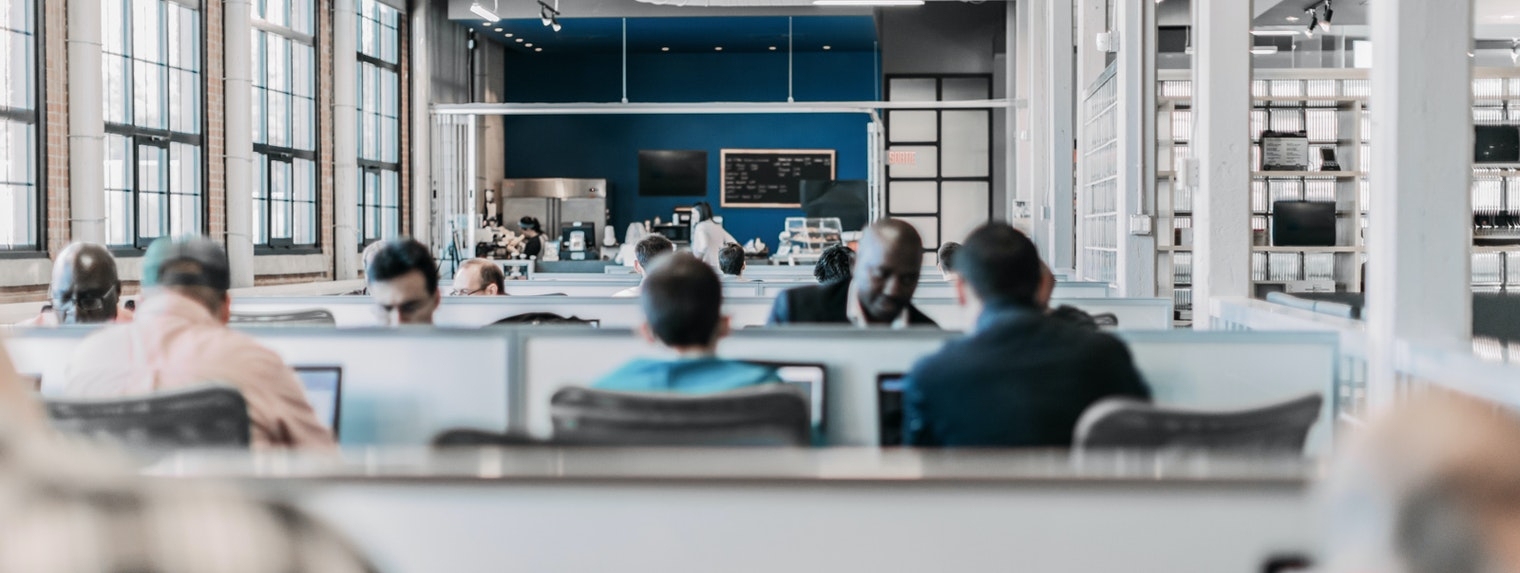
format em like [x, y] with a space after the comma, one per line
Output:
[85, 287]
[887, 268]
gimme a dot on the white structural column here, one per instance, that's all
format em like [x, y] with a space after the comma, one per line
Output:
[1418, 290]
[1222, 140]
[1060, 97]
[422, 125]
[87, 137]
[238, 86]
[345, 142]
[1033, 134]
[1136, 270]
[1011, 142]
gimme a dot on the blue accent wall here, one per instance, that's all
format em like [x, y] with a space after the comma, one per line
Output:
[604, 146]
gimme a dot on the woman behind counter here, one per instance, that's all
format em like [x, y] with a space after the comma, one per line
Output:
[533, 240]
[707, 237]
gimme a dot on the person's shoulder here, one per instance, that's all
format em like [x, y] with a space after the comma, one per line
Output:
[632, 376]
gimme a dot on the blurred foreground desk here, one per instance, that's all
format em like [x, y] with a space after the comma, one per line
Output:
[793, 511]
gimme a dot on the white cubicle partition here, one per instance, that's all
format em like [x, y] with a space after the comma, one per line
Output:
[474, 311]
[398, 386]
[928, 289]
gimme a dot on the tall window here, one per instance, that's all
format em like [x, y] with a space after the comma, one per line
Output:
[152, 70]
[284, 124]
[19, 199]
[379, 121]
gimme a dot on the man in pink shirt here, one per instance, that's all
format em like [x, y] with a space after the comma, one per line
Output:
[180, 338]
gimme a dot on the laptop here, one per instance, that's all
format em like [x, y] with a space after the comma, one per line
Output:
[324, 391]
[889, 410]
[808, 376]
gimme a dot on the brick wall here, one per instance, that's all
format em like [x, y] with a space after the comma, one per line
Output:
[56, 123]
[215, 150]
[404, 148]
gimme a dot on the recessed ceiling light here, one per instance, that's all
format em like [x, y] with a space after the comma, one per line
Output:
[498, 29]
[1264, 50]
[538, 49]
[528, 45]
[1274, 32]
[718, 49]
[665, 49]
[519, 40]
[828, 47]
[1291, 18]
[509, 34]
[773, 48]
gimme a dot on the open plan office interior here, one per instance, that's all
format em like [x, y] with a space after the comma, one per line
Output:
[409, 286]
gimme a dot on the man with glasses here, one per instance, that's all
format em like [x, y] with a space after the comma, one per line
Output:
[479, 277]
[85, 289]
[403, 281]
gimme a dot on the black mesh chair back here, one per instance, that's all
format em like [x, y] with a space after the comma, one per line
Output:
[299, 318]
[1119, 423]
[769, 415]
[210, 416]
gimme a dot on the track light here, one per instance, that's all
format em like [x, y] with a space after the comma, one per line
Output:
[1324, 23]
[1514, 51]
[1313, 22]
[549, 15]
[555, 25]
[484, 13]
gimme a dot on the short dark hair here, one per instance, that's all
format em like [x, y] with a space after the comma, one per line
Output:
[1001, 265]
[731, 259]
[701, 211]
[650, 248]
[837, 263]
[947, 255]
[683, 301]
[491, 274]
[400, 256]
[529, 224]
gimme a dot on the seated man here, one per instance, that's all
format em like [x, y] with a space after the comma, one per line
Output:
[403, 281]
[947, 259]
[180, 338]
[85, 289]
[649, 249]
[479, 277]
[683, 310]
[1022, 378]
[731, 261]
[835, 264]
[880, 292]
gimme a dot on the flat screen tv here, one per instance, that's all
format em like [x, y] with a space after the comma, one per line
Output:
[844, 198]
[666, 173]
[1303, 224]
[1496, 144]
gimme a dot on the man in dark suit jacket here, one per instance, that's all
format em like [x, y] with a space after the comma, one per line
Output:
[1022, 378]
[879, 294]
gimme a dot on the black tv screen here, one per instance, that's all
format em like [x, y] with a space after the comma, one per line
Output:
[672, 173]
[1303, 224]
[1496, 144]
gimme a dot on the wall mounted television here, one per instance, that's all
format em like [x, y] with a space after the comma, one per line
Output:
[672, 173]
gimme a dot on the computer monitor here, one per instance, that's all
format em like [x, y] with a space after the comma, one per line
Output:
[847, 199]
[1303, 224]
[889, 410]
[324, 391]
[812, 378]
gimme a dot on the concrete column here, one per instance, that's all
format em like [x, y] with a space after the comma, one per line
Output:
[1061, 95]
[238, 85]
[422, 123]
[346, 262]
[1135, 80]
[1221, 140]
[87, 137]
[1034, 148]
[1011, 145]
[1418, 289]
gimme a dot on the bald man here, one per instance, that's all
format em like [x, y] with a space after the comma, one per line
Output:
[85, 288]
[880, 293]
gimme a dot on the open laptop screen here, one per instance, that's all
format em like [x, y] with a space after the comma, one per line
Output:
[324, 390]
[889, 410]
[810, 377]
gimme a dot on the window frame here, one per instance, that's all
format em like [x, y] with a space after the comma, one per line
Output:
[367, 166]
[266, 154]
[164, 138]
[38, 140]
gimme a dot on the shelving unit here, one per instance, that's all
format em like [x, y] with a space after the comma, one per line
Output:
[1331, 105]
[1098, 197]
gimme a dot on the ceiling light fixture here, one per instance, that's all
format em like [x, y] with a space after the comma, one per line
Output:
[828, 47]
[519, 40]
[549, 15]
[868, 2]
[1514, 51]
[538, 49]
[1324, 22]
[1274, 32]
[498, 29]
[1264, 50]
[773, 48]
[665, 49]
[528, 45]
[485, 14]
[1313, 22]
[1292, 18]
[718, 49]
[509, 34]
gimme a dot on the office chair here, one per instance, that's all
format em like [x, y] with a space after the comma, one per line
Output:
[1123, 423]
[210, 416]
[298, 318]
[769, 415]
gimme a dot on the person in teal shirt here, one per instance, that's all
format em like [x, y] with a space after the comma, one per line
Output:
[683, 308]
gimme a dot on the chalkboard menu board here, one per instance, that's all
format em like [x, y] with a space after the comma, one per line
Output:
[771, 177]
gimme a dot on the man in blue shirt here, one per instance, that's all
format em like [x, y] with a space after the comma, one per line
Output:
[683, 310]
[1022, 378]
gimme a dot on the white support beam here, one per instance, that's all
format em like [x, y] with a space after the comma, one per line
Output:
[421, 123]
[87, 128]
[1221, 136]
[1421, 228]
[1136, 269]
[1011, 144]
[1029, 152]
[346, 261]
[1091, 19]
[238, 85]
[1060, 99]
